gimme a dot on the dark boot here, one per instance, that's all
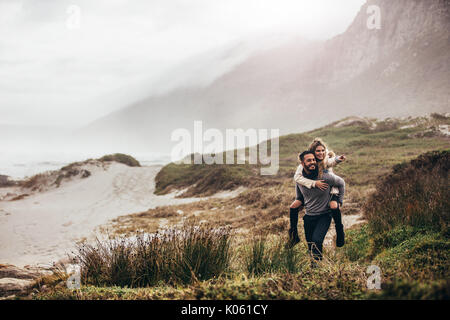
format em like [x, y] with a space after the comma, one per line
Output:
[340, 235]
[293, 232]
[293, 218]
[293, 238]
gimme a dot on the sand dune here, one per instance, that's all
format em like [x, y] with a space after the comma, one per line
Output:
[42, 228]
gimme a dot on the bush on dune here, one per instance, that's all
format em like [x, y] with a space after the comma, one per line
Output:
[415, 194]
[121, 158]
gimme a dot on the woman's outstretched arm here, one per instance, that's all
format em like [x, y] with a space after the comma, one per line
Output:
[334, 161]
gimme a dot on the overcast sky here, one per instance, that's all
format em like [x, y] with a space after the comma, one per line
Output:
[56, 71]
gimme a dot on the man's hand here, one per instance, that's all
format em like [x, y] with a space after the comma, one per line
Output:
[321, 184]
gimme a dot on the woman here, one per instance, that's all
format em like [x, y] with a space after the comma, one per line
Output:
[325, 160]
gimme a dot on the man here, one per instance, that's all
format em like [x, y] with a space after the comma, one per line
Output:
[317, 218]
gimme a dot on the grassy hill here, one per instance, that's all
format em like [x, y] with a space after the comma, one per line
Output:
[395, 181]
[372, 147]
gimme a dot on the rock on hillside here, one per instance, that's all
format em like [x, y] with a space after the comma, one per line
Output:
[414, 24]
[15, 280]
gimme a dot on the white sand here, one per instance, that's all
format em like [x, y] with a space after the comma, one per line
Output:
[43, 228]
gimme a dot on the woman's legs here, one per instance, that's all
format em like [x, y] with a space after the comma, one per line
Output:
[337, 217]
[296, 204]
[293, 213]
[336, 212]
[294, 209]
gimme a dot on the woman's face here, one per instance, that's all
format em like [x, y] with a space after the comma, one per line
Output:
[320, 153]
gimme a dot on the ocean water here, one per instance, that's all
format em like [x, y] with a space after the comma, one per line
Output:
[19, 165]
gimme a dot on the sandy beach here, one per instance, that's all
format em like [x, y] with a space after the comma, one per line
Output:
[43, 228]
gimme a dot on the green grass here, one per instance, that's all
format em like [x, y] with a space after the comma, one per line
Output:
[202, 179]
[265, 256]
[413, 261]
[357, 244]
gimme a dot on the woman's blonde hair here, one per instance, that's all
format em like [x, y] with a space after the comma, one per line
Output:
[317, 142]
[313, 146]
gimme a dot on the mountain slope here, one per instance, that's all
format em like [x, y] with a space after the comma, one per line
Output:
[400, 70]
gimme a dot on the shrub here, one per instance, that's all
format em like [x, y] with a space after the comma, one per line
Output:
[415, 194]
[35, 181]
[121, 158]
[438, 116]
[403, 289]
[6, 182]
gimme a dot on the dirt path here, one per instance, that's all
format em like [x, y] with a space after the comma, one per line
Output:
[348, 221]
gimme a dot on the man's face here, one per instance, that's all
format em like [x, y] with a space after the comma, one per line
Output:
[309, 162]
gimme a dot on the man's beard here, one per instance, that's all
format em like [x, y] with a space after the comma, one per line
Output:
[313, 172]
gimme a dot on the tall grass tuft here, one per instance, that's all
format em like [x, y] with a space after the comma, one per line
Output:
[263, 256]
[174, 256]
[256, 257]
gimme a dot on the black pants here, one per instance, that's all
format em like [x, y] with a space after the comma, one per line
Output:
[316, 227]
[336, 214]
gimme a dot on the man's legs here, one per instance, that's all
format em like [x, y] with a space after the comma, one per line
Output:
[337, 217]
[309, 224]
[316, 227]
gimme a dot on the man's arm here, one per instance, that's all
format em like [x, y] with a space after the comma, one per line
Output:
[336, 181]
[300, 179]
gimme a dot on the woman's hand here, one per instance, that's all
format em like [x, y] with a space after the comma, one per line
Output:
[321, 184]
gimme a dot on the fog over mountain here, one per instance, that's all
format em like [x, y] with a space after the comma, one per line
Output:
[401, 69]
[273, 78]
